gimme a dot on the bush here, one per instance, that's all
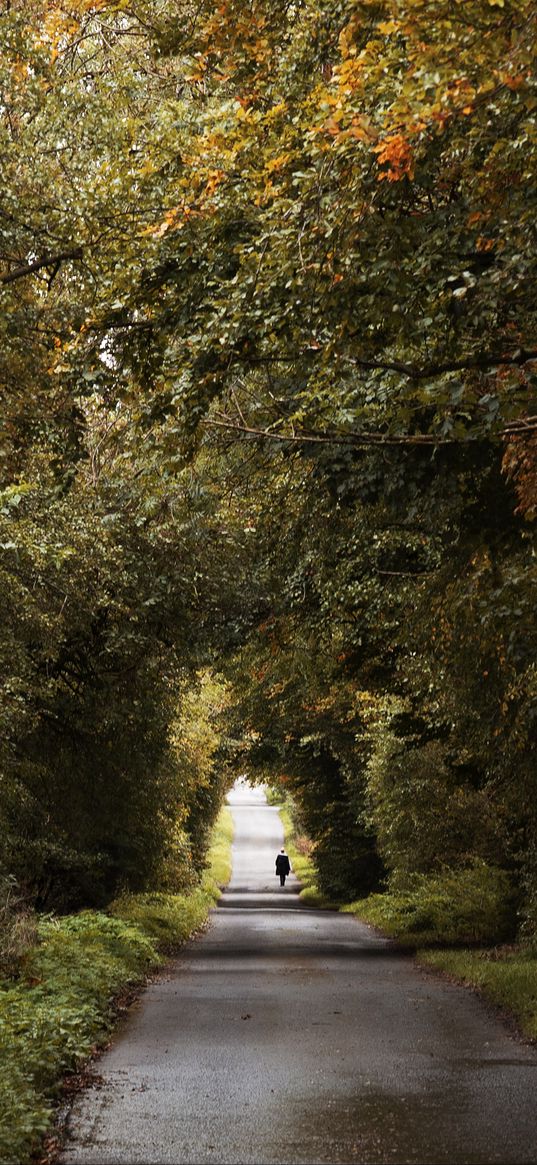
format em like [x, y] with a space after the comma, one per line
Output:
[299, 852]
[51, 1019]
[299, 848]
[169, 919]
[424, 810]
[274, 796]
[218, 870]
[455, 906]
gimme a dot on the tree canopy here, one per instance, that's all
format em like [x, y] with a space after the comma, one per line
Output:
[268, 433]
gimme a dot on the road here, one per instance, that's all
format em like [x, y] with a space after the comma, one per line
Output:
[287, 1035]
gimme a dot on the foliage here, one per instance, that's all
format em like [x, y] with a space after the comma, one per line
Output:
[394, 696]
[168, 919]
[218, 861]
[288, 270]
[106, 594]
[359, 211]
[102, 773]
[299, 850]
[453, 906]
[424, 810]
[52, 1018]
[273, 794]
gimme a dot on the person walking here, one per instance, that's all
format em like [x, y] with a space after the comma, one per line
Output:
[283, 866]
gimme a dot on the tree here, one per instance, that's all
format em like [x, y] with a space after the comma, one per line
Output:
[287, 270]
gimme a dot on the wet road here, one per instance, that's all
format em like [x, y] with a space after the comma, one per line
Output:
[291, 1035]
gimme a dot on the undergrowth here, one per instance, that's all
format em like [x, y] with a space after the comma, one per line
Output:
[60, 1007]
[218, 869]
[470, 905]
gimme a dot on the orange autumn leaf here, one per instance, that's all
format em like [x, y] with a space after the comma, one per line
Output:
[396, 152]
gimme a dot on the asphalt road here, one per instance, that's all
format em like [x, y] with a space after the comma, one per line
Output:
[292, 1035]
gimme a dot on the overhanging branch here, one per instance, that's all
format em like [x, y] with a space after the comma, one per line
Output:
[481, 362]
[355, 440]
[333, 438]
[38, 264]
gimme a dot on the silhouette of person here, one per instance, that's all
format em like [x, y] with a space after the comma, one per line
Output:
[283, 866]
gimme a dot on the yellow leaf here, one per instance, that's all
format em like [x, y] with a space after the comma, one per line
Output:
[277, 163]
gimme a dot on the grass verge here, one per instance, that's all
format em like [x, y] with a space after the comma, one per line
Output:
[440, 915]
[219, 856]
[507, 976]
[61, 1007]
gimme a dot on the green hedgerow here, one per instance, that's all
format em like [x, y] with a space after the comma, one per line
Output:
[168, 918]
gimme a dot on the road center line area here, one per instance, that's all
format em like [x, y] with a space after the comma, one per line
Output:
[286, 1034]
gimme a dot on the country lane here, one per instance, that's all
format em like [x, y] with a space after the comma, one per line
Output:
[285, 1034]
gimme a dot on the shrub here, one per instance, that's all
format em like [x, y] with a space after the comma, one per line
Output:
[53, 1016]
[169, 919]
[218, 870]
[299, 848]
[455, 906]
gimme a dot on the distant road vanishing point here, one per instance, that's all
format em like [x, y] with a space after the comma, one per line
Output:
[286, 1034]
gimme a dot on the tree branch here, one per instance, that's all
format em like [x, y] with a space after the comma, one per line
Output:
[46, 261]
[328, 438]
[523, 425]
[485, 360]
[406, 573]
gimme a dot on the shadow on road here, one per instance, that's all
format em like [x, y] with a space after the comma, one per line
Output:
[265, 900]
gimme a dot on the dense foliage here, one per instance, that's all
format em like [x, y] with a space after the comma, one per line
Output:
[268, 377]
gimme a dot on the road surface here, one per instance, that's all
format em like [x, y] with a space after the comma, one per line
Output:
[288, 1035]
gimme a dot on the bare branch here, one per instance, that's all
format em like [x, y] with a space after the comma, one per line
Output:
[334, 438]
[406, 573]
[357, 439]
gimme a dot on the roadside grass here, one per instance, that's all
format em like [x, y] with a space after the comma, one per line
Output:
[506, 976]
[60, 1008]
[168, 919]
[438, 919]
[218, 870]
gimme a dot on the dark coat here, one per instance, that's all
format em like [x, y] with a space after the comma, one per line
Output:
[283, 865]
